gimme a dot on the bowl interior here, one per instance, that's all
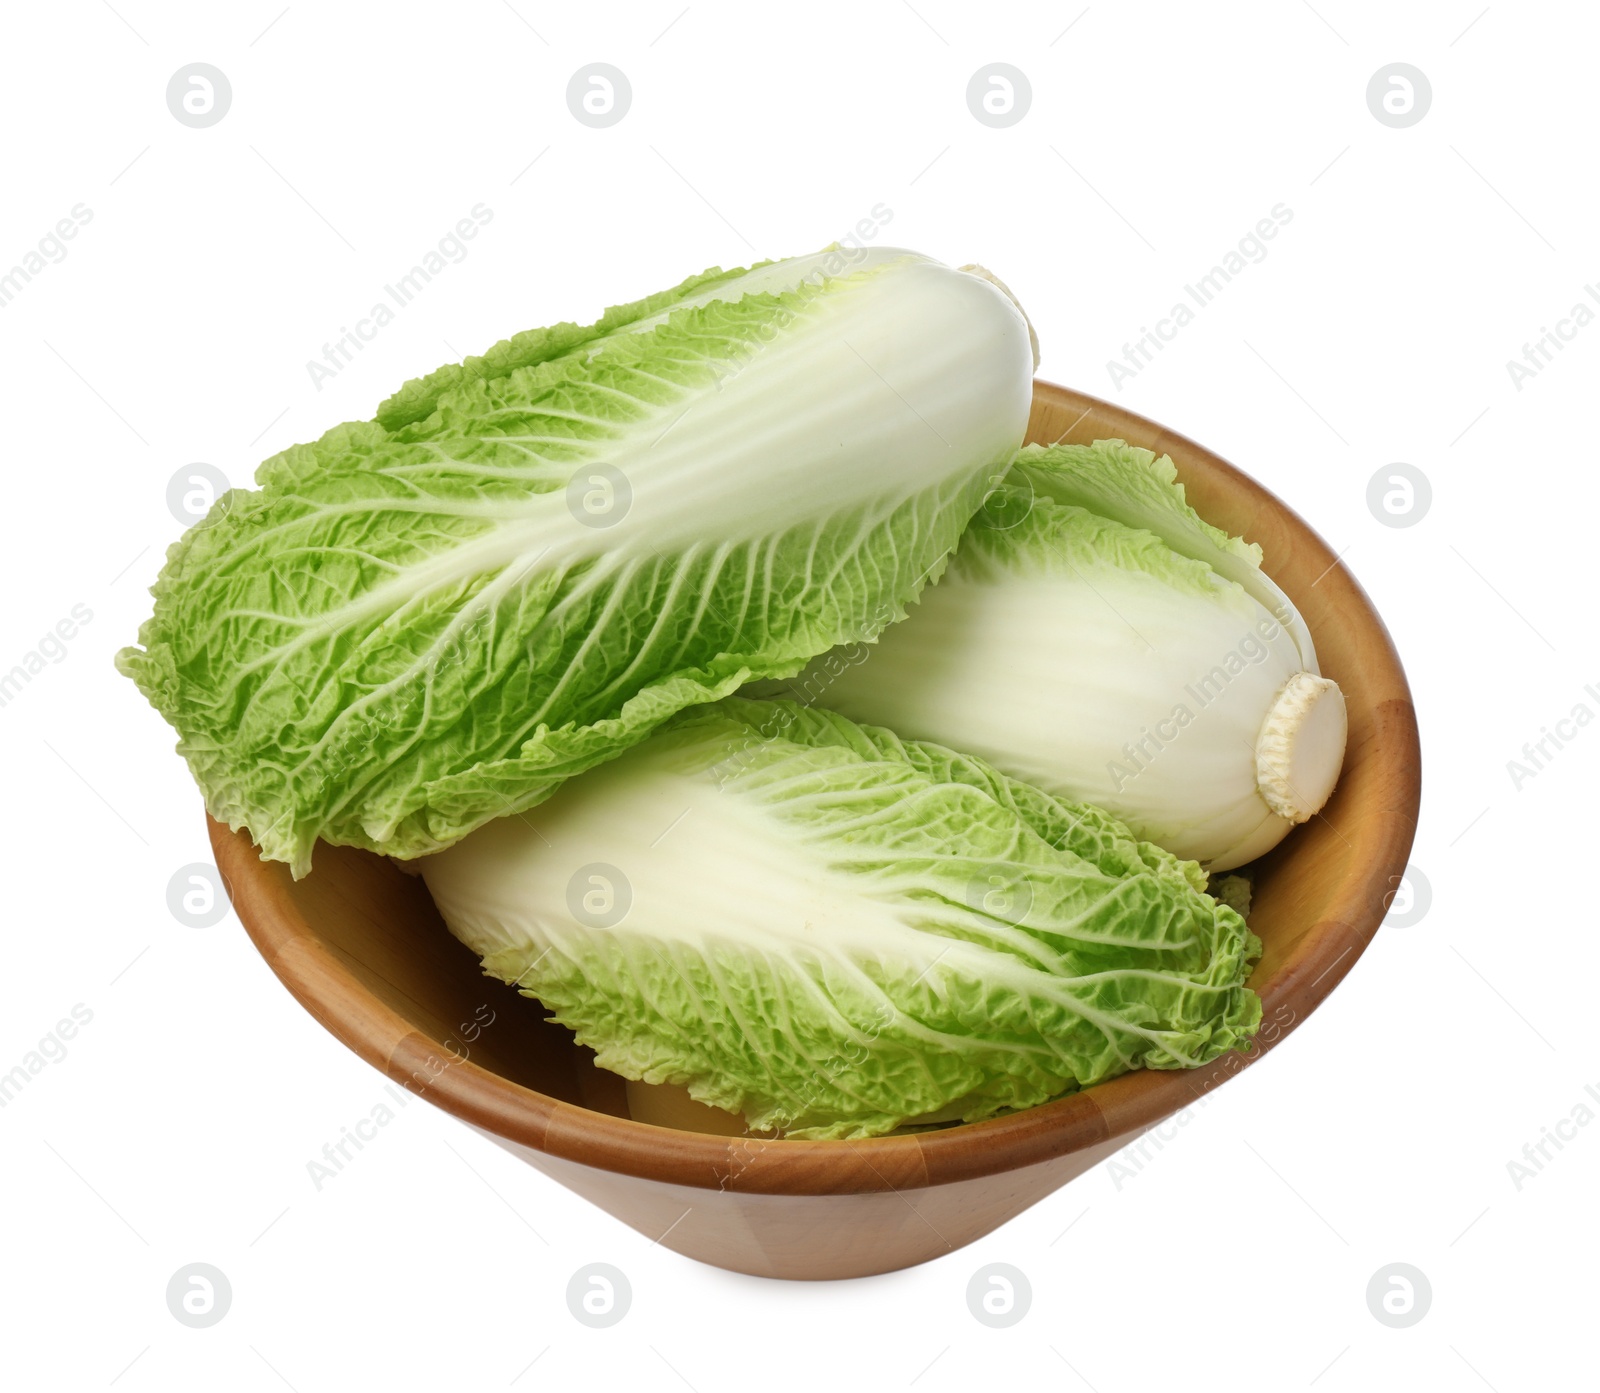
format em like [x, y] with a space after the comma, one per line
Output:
[360, 943]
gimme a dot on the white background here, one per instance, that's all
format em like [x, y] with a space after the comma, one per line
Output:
[179, 1125]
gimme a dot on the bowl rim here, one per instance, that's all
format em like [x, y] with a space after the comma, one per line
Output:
[1117, 1109]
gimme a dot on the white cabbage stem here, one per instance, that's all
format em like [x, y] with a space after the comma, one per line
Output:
[984, 273]
[1301, 746]
[1097, 638]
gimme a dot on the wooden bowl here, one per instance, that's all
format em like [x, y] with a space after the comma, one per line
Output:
[360, 946]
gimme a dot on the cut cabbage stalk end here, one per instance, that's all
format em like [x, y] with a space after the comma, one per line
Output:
[1301, 746]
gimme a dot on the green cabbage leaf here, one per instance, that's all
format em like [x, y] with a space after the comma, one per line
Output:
[531, 559]
[835, 932]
